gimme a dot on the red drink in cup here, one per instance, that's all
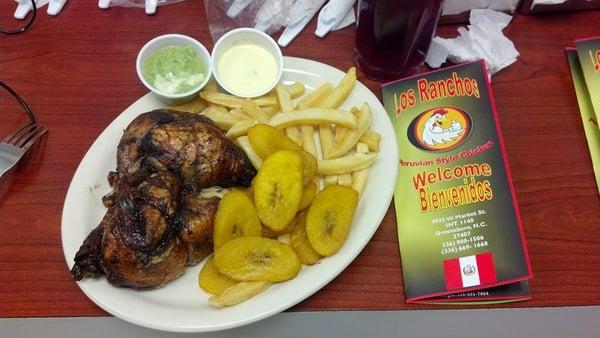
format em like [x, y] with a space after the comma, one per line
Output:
[393, 36]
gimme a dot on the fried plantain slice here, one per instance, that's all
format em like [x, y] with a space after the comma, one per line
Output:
[257, 259]
[308, 195]
[266, 140]
[278, 189]
[300, 243]
[211, 280]
[236, 217]
[329, 218]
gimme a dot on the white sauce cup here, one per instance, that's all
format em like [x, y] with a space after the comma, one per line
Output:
[246, 36]
[174, 40]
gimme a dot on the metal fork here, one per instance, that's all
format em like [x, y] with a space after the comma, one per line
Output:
[15, 145]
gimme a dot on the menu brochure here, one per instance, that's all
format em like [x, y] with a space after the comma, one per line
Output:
[459, 228]
[588, 51]
[584, 62]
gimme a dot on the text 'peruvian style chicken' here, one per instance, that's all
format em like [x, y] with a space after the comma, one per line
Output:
[158, 220]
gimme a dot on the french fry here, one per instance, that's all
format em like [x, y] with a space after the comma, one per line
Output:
[244, 144]
[240, 128]
[341, 91]
[222, 99]
[311, 100]
[295, 134]
[362, 148]
[359, 178]
[308, 140]
[271, 110]
[326, 138]
[239, 113]
[345, 179]
[266, 100]
[331, 179]
[221, 117]
[371, 139]
[195, 106]
[295, 89]
[285, 103]
[334, 100]
[211, 87]
[348, 140]
[238, 293]
[341, 132]
[254, 111]
[314, 116]
[314, 98]
[231, 101]
[345, 164]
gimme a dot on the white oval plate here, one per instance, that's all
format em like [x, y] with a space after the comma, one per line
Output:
[181, 305]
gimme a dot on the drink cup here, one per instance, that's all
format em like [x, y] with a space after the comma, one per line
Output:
[393, 36]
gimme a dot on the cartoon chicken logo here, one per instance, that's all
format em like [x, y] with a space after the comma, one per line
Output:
[434, 131]
[439, 129]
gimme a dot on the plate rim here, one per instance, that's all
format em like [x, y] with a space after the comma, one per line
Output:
[388, 192]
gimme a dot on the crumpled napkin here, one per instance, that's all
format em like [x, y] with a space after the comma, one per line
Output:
[332, 16]
[483, 38]
[149, 5]
[451, 7]
[272, 13]
[303, 11]
[24, 7]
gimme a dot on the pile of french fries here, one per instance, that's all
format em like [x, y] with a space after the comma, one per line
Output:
[341, 140]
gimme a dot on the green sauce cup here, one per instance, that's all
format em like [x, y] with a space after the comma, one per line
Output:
[170, 67]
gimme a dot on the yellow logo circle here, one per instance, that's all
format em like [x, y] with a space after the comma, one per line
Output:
[439, 129]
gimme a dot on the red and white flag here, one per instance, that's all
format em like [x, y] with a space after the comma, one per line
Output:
[464, 272]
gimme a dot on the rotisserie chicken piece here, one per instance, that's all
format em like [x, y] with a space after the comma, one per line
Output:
[195, 221]
[157, 222]
[140, 248]
[189, 145]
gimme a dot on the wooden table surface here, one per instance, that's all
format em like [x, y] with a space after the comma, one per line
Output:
[77, 71]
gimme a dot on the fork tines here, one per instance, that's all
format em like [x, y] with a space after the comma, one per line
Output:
[12, 138]
[32, 137]
[25, 136]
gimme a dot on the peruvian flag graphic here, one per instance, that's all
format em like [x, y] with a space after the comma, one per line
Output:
[473, 270]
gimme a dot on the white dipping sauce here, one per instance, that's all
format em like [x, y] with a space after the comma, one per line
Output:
[247, 69]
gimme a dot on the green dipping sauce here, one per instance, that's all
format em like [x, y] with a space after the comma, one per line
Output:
[174, 69]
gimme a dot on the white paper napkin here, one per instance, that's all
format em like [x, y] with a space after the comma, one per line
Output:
[483, 38]
[24, 7]
[451, 7]
[332, 15]
[300, 15]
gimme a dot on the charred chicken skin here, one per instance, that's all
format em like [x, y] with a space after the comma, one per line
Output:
[157, 221]
[189, 145]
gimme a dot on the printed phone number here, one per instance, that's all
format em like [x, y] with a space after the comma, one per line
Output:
[454, 249]
[460, 241]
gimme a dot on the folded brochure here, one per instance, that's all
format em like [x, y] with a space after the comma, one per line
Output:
[584, 62]
[588, 51]
[459, 228]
